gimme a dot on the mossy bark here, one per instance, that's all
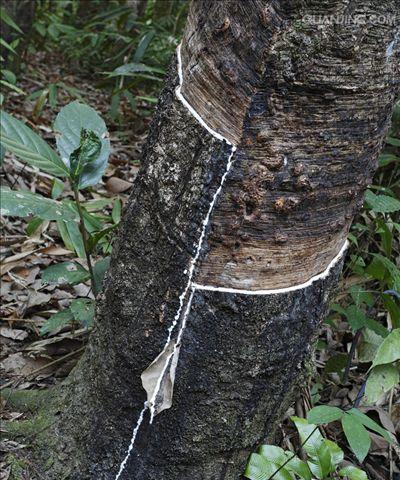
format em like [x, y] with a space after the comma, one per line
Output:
[241, 354]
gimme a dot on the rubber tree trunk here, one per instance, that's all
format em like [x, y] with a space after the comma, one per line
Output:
[250, 178]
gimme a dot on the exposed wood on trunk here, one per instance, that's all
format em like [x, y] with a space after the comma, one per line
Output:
[313, 106]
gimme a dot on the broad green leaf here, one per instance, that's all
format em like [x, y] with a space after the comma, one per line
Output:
[391, 268]
[273, 453]
[353, 473]
[26, 144]
[357, 436]
[83, 311]
[336, 363]
[389, 349]
[33, 225]
[360, 295]
[380, 380]
[57, 188]
[356, 317]
[393, 141]
[394, 310]
[9, 76]
[58, 320]
[99, 270]
[86, 154]
[382, 203]
[324, 414]
[309, 434]
[76, 238]
[297, 466]
[65, 272]
[369, 423]
[320, 464]
[69, 123]
[369, 345]
[336, 453]
[62, 229]
[376, 327]
[259, 468]
[22, 203]
[96, 237]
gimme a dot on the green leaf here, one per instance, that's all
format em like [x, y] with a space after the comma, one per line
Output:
[57, 188]
[387, 158]
[380, 380]
[87, 153]
[5, 17]
[12, 87]
[9, 76]
[394, 310]
[26, 144]
[309, 434]
[33, 225]
[356, 317]
[389, 349]
[336, 363]
[391, 268]
[356, 435]
[7, 46]
[69, 123]
[95, 238]
[353, 473]
[369, 346]
[369, 423]
[76, 238]
[395, 142]
[116, 211]
[320, 464]
[62, 229]
[114, 106]
[324, 414]
[65, 272]
[376, 327]
[83, 311]
[58, 320]
[99, 271]
[259, 468]
[142, 46]
[297, 466]
[381, 203]
[336, 453]
[22, 203]
[273, 453]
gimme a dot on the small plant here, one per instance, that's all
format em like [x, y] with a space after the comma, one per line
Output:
[8, 78]
[84, 148]
[324, 459]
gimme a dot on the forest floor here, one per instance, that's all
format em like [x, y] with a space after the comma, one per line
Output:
[30, 360]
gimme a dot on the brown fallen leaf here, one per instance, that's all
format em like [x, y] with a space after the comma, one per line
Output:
[19, 364]
[13, 333]
[117, 185]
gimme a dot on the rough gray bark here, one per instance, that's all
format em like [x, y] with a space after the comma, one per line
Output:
[241, 355]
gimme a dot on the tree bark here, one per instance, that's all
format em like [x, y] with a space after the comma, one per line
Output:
[307, 108]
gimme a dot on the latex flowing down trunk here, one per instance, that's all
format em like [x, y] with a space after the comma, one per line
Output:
[232, 240]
